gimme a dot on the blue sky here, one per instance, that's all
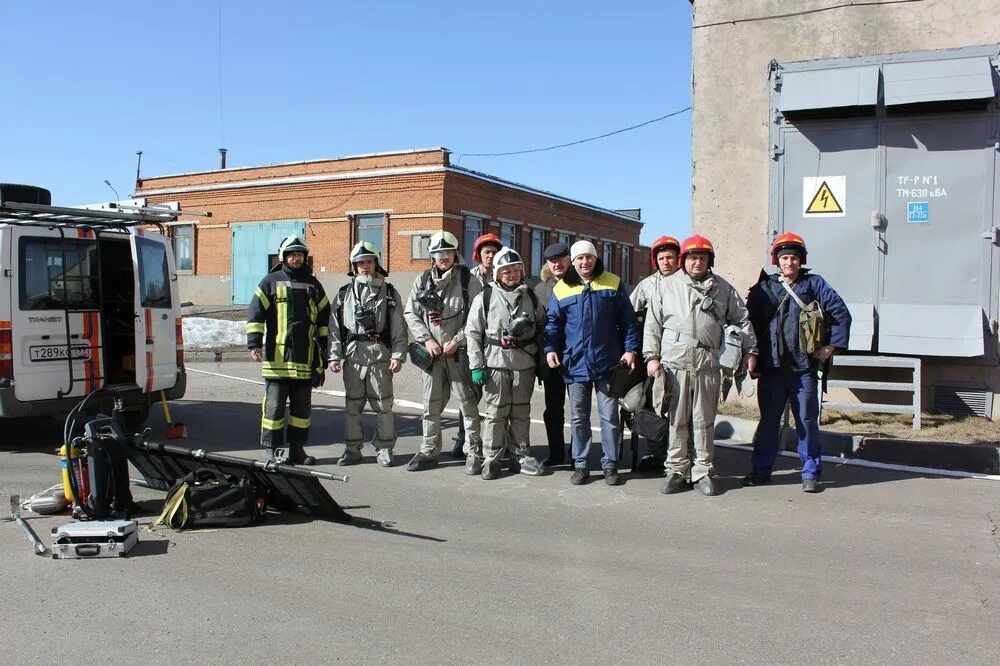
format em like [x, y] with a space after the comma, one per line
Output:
[89, 84]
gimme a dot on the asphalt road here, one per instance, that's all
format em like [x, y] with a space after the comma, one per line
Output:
[882, 566]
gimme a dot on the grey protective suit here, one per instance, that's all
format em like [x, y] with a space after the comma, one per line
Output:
[646, 292]
[366, 357]
[510, 371]
[448, 373]
[684, 330]
[482, 274]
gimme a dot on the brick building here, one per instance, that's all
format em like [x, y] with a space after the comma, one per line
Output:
[396, 200]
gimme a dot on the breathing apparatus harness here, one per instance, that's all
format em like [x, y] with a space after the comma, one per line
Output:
[102, 488]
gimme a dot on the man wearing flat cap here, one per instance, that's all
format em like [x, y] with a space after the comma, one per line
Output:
[556, 262]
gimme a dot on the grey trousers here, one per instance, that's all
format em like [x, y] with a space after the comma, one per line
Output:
[694, 400]
[448, 375]
[507, 395]
[370, 384]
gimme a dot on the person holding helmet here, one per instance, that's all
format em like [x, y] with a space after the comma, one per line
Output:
[556, 264]
[502, 336]
[484, 251]
[663, 255]
[368, 341]
[684, 339]
[590, 330]
[436, 313]
[287, 329]
[787, 372]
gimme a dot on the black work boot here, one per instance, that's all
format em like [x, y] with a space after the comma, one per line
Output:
[675, 484]
[756, 479]
[611, 476]
[580, 476]
[706, 485]
[810, 485]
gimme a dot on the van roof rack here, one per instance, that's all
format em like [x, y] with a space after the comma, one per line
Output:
[119, 216]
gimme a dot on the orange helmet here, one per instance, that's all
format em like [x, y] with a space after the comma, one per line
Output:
[788, 241]
[662, 243]
[485, 239]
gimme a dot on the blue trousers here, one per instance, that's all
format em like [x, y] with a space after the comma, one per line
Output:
[607, 408]
[774, 389]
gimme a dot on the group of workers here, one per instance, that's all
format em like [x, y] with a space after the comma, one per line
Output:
[484, 335]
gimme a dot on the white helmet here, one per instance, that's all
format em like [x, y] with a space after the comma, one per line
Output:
[291, 244]
[507, 257]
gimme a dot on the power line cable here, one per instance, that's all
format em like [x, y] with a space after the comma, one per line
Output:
[816, 10]
[576, 143]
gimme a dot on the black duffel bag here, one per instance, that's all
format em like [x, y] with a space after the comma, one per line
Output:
[647, 424]
[207, 498]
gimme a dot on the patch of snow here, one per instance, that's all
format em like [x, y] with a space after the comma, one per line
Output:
[207, 333]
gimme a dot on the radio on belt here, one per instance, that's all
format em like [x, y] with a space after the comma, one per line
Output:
[95, 538]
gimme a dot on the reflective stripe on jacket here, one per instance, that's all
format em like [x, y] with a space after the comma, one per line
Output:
[590, 325]
[289, 318]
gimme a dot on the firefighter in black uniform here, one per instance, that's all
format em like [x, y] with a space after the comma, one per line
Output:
[287, 330]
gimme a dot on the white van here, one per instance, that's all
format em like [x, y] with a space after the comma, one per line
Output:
[88, 299]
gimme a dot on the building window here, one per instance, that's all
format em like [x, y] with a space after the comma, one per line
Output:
[473, 230]
[626, 268]
[183, 235]
[369, 228]
[609, 256]
[419, 247]
[566, 238]
[537, 250]
[508, 235]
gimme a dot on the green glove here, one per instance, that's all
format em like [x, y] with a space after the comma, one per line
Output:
[478, 376]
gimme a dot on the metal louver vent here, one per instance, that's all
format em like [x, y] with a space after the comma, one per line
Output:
[963, 400]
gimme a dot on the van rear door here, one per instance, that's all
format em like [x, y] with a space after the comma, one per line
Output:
[155, 299]
[55, 313]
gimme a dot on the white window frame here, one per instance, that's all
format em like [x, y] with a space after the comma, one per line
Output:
[173, 243]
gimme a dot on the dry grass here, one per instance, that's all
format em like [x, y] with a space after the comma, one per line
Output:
[934, 427]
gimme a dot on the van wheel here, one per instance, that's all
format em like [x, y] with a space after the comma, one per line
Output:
[135, 417]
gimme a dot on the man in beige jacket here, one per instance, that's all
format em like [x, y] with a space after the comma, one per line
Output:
[684, 338]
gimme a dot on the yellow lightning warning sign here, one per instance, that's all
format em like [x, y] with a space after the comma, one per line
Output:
[824, 196]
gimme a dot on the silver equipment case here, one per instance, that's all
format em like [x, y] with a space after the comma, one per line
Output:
[96, 538]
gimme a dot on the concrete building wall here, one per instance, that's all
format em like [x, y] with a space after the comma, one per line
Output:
[732, 46]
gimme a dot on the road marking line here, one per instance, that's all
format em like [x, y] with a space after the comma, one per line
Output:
[856, 462]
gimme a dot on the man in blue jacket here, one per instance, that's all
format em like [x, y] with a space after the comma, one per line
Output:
[590, 330]
[786, 372]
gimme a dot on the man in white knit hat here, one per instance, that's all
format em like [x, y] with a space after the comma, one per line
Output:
[591, 330]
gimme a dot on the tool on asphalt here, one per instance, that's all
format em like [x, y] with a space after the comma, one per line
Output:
[48, 502]
[94, 539]
[29, 533]
[174, 430]
[285, 487]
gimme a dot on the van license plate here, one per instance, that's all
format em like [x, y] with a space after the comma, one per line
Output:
[57, 353]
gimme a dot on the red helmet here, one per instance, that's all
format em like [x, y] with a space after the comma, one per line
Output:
[485, 239]
[662, 243]
[788, 241]
[697, 243]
